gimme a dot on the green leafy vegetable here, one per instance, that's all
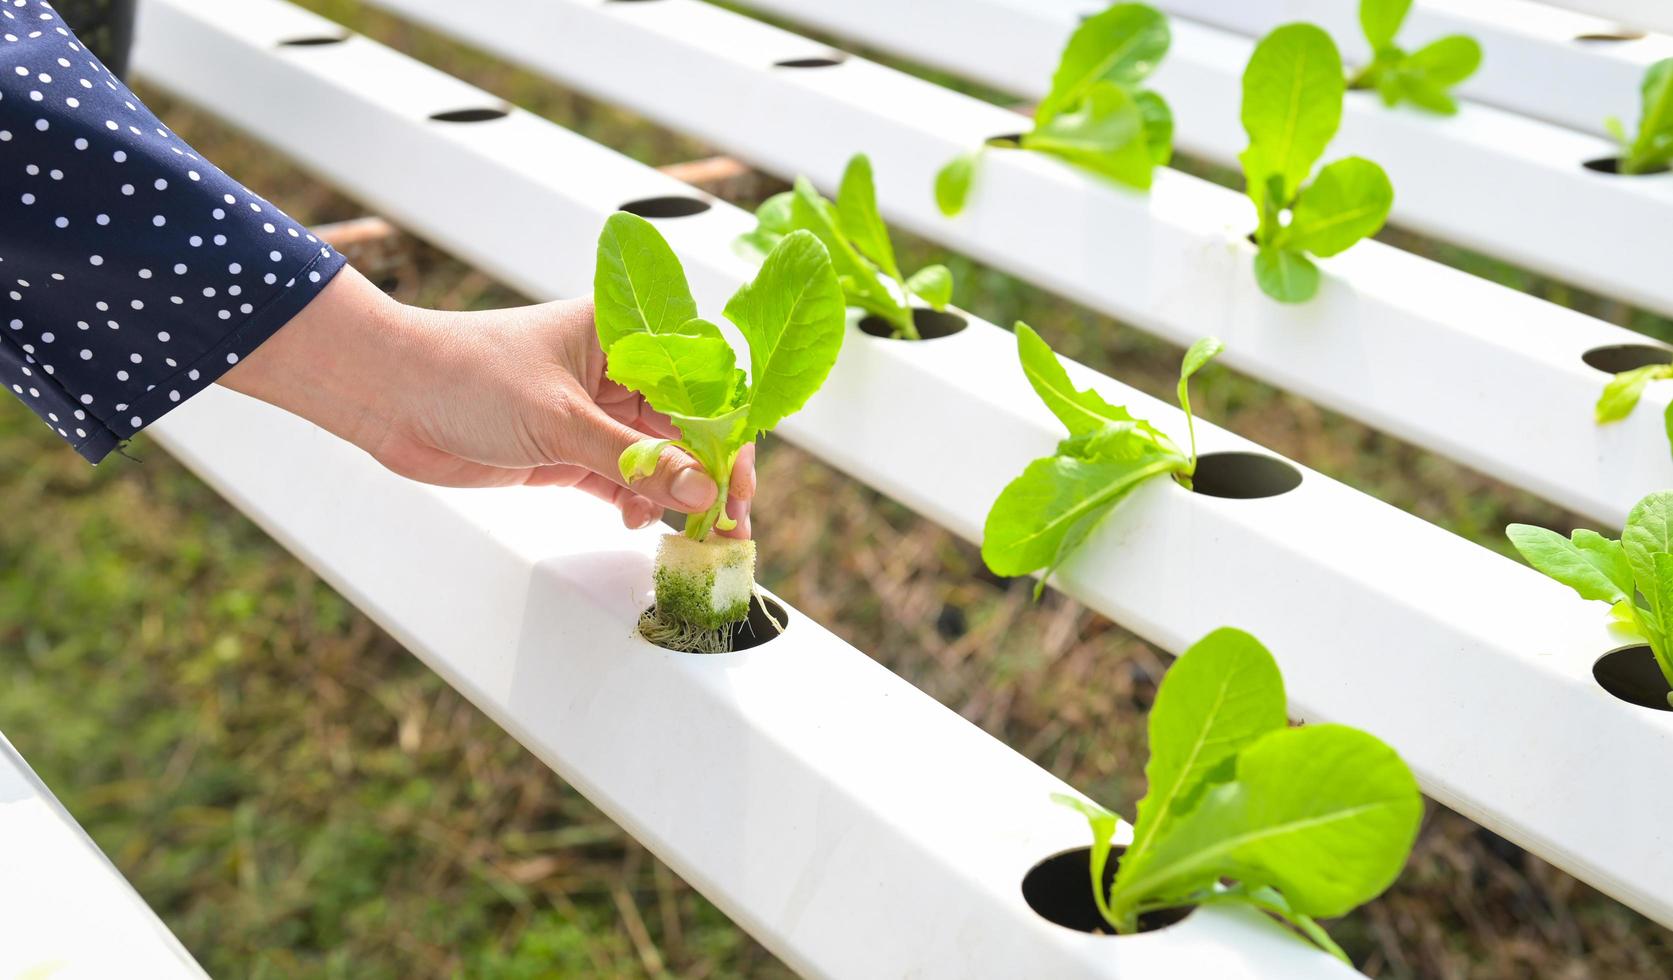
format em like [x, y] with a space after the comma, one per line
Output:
[857, 240]
[791, 316]
[1622, 393]
[1422, 77]
[1044, 514]
[1634, 575]
[1651, 150]
[1095, 115]
[1300, 823]
[1292, 105]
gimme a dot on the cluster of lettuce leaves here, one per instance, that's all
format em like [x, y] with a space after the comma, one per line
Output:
[1043, 515]
[1292, 105]
[854, 234]
[1651, 151]
[1095, 116]
[1304, 823]
[1622, 393]
[791, 315]
[1634, 575]
[1422, 77]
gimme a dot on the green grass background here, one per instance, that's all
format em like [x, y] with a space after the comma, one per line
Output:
[297, 796]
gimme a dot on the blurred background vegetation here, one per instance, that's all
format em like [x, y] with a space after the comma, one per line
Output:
[297, 796]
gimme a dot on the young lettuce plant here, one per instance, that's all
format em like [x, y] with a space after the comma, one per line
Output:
[1421, 77]
[792, 318]
[1302, 823]
[1634, 575]
[854, 234]
[1044, 514]
[1622, 393]
[1652, 149]
[1292, 104]
[1095, 115]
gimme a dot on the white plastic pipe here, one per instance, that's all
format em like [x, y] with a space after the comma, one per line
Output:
[65, 911]
[1649, 15]
[1488, 179]
[1458, 657]
[1568, 68]
[1484, 374]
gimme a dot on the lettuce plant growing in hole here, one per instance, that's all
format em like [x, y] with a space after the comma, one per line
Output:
[1095, 115]
[1421, 77]
[1634, 575]
[1302, 823]
[1652, 149]
[854, 234]
[792, 318]
[1292, 104]
[1044, 514]
[1622, 393]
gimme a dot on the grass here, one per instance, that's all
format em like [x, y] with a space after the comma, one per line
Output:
[297, 796]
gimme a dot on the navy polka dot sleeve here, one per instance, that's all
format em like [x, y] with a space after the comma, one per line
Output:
[132, 272]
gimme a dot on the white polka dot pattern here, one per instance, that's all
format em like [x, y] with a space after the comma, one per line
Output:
[119, 244]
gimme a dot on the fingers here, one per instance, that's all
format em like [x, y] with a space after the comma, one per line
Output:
[593, 439]
[739, 493]
[630, 409]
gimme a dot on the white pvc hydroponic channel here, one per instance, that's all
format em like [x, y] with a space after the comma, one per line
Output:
[1457, 656]
[1394, 340]
[1488, 179]
[65, 911]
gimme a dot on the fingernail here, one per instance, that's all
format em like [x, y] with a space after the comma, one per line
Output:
[693, 488]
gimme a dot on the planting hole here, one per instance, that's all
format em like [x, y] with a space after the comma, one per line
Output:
[1631, 674]
[313, 41]
[932, 325]
[483, 114]
[830, 60]
[1011, 140]
[1060, 890]
[1244, 476]
[758, 629]
[1612, 165]
[1610, 37]
[1624, 357]
[673, 206]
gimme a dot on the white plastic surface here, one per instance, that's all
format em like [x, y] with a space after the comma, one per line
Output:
[1540, 61]
[1457, 656]
[1479, 372]
[1648, 15]
[66, 913]
[1488, 179]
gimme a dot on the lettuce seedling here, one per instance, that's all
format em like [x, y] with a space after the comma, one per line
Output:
[1634, 575]
[1302, 823]
[1044, 514]
[1652, 149]
[1095, 116]
[854, 234]
[1421, 77]
[791, 317]
[1292, 105]
[1622, 393]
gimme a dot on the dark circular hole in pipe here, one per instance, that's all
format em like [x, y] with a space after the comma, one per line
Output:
[931, 324]
[480, 114]
[1632, 674]
[1059, 889]
[817, 61]
[672, 206]
[1616, 358]
[1610, 37]
[759, 629]
[313, 40]
[1006, 140]
[1243, 476]
[1612, 166]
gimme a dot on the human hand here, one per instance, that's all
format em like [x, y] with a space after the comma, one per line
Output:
[497, 398]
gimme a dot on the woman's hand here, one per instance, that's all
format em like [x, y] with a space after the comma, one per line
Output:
[488, 399]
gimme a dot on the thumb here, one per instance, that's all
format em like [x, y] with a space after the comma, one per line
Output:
[679, 482]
